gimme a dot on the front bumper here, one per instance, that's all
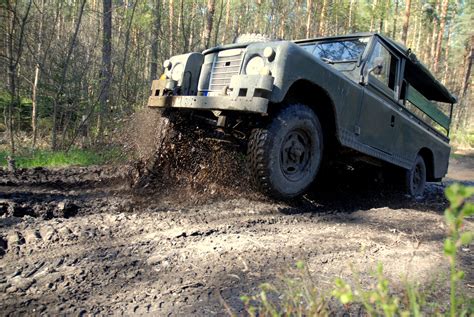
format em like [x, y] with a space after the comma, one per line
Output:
[254, 104]
[245, 93]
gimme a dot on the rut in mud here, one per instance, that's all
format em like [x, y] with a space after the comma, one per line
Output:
[191, 241]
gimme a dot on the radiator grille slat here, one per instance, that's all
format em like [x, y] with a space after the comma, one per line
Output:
[224, 67]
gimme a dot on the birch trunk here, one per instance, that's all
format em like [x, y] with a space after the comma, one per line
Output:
[171, 31]
[34, 92]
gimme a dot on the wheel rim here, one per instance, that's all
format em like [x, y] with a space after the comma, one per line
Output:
[295, 155]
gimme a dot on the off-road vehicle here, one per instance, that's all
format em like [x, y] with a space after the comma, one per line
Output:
[297, 103]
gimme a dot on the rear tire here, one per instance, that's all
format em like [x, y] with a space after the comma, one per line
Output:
[285, 156]
[415, 178]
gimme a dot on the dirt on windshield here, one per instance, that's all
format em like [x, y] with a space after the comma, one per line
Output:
[79, 241]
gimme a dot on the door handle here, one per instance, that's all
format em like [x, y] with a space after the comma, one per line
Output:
[392, 121]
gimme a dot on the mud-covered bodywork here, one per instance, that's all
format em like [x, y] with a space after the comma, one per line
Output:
[391, 116]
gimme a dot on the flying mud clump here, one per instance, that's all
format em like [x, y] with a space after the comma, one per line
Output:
[177, 160]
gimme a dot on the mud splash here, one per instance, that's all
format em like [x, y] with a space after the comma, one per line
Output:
[178, 161]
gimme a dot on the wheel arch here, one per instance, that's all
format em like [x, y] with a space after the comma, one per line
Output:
[318, 99]
[428, 157]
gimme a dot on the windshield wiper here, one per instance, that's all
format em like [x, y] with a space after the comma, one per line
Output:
[327, 60]
[332, 62]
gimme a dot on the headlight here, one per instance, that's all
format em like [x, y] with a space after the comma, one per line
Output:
[254, 65]
[177, 72]
[167, 64]
[269, 53]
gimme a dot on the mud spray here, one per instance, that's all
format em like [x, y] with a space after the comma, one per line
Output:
[182, 164]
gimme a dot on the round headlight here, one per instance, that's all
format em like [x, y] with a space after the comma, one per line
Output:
[177, 72]
[254, 65]
[269, 53]
[167, 64]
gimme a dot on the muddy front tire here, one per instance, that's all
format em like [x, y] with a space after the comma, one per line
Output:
[285, 156]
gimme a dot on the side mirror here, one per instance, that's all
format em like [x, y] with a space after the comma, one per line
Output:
[378, 66]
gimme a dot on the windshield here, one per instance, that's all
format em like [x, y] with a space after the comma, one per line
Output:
[338, 51]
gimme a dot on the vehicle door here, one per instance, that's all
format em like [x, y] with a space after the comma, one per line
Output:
[377, 121]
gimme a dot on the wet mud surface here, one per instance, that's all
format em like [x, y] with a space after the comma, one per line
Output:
[79, 241]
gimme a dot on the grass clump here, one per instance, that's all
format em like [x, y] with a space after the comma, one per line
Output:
[299, 298]
[48, 158]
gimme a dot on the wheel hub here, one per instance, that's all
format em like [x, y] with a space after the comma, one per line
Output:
[295, 154]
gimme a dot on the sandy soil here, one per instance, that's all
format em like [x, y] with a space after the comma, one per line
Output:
[77, 241]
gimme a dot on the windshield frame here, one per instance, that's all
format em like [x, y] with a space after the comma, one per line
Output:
[317, 42]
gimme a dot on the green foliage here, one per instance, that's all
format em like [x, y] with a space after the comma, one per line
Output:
[463, 139]
[298, 298]
[379, 300]
[46, 158]
[301, 299]
[459, 209]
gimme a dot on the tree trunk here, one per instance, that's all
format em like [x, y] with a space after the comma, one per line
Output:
[351, 12]
[373, 15]
[14, 53]
[184, 34]
[155, 34]
[442, 24]
[467, 73]
[127, 42]
[206, 36]
[435, 33]
[309, 14]
[386, 15]
[218, 25]
[448, 46]
[395, 18]
[322, 19]
[418, 35]
[464, 104]
[227, 19]
[192, 45]
[106, 72]
[406, 22]
[236, 24]
[34, 94]
[171, 29]
[179, 24]
[11, 80]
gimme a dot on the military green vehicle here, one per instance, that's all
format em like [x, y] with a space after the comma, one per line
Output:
[360, 97]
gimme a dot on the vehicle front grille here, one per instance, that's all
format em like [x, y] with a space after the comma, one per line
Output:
[226, 64]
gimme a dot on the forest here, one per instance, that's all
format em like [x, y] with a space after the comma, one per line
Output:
[74, 70]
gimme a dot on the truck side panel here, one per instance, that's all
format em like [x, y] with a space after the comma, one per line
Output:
[347, 97]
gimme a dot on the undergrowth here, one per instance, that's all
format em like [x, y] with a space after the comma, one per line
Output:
[463, 140]
[48, 158]
[300, 297]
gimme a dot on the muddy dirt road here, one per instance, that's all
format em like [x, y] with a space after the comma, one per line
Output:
[76, 241]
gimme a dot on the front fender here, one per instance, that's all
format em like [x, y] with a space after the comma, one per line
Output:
[293, 64]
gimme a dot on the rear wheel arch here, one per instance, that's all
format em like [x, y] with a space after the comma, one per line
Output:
[428, 157]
